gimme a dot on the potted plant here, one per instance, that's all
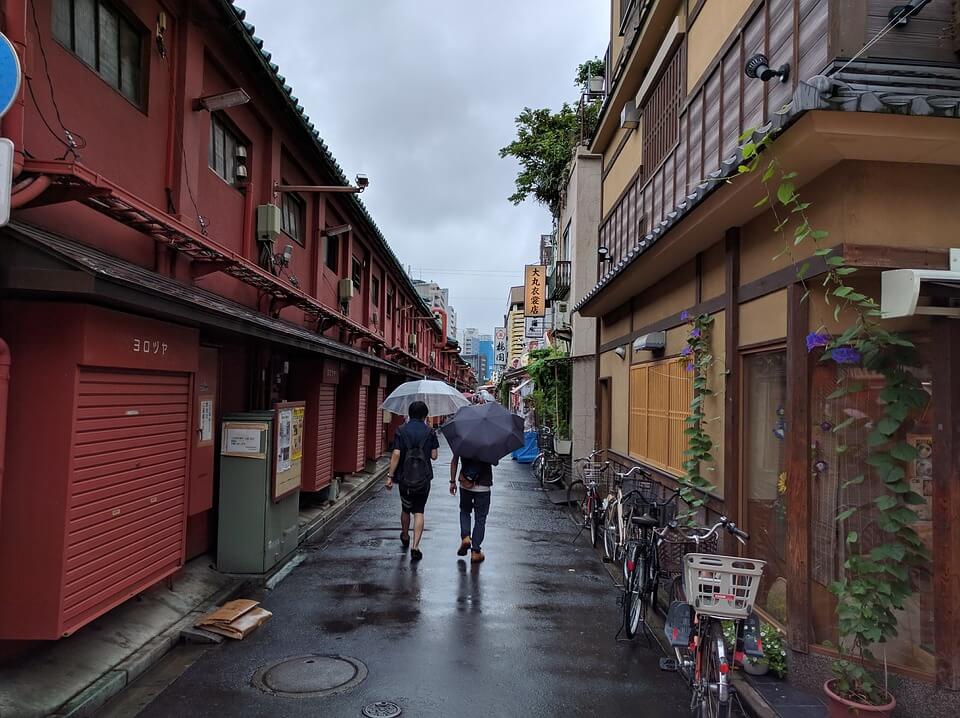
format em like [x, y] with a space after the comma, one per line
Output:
[774, 657]
[590, 76]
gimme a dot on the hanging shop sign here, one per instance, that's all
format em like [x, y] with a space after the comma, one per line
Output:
[533, 328]
[535, 286]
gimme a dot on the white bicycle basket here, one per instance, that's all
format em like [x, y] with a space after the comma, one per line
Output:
[721, 586]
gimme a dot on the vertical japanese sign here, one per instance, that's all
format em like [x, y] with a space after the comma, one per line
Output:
[533, 328]
[534, 290]
[499, 346]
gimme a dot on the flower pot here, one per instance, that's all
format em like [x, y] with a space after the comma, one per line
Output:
[595, 84]
[562, 446]
[838, 707]
[756, 666]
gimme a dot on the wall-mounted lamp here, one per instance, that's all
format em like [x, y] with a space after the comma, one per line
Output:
[222, 101]
[758, 67]
[604, 254]
[620, 352]
[284, 258]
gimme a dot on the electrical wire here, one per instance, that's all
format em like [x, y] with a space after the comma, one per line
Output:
[873, 41]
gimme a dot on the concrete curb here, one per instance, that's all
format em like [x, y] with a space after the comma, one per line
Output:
[92, 698]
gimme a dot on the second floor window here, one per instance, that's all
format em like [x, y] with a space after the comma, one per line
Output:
[661, 114]
[357, 274]
[100, 35]
[375, 291]
[224, 144]
[333, 252]
[390, 301]
[293, 211]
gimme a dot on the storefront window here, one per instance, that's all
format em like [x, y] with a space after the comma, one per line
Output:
[914, 646]
[765, 433]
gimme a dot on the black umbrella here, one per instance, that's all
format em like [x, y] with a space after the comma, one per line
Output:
[486, 433]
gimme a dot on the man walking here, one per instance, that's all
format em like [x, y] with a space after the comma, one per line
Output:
[476, 480]
[414, 448]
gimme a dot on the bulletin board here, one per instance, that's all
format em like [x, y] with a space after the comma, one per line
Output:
[288, 443]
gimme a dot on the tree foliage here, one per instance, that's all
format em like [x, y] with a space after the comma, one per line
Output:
[550, 370]
[591, 68]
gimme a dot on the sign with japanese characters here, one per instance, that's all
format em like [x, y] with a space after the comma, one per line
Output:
[535, 290]
[533, 328]
[499, 346]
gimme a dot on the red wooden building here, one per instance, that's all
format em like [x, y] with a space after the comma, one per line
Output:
[145, 293]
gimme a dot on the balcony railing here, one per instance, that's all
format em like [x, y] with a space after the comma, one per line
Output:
[558, 281]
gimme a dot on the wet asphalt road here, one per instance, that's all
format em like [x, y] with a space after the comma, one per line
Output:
[529, 633]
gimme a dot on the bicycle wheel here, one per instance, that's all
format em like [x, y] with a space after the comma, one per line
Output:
[610, 532]
[715, 690]
[536, 468]
[593, 517]
[634, 606]
[577, 502]
[552, 470]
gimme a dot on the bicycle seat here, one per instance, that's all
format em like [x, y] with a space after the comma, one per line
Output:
[645, 521]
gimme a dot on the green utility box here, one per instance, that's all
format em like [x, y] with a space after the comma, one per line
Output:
[260, 457]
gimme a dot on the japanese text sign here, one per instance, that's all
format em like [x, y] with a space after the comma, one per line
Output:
[535, 285]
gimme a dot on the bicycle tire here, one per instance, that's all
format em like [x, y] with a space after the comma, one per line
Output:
[715, 693]
[594, 520]
[634, 607]
[610, 532]
[536, 468]
[552, 471]
[576, 502]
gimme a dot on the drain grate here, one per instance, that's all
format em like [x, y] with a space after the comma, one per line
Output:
[382, 709]
[310, 676]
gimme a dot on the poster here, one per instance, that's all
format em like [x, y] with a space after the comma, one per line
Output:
[284, 440]
[297, 441]
[535, 286]
[244, 440]
[206, 420]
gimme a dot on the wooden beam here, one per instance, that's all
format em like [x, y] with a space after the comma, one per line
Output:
[708, 307]
[946, 501]
[798, 469]
[872, 256]
[731, 404]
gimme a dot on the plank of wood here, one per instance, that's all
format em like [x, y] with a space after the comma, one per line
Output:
[731, 406]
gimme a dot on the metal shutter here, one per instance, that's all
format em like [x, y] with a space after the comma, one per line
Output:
[128, 489]
[362, 428]
[322, 405]
[378, 427]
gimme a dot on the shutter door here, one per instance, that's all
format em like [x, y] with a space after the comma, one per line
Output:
[362, 428]
[128, 489]
[319, 468]
[378, 427]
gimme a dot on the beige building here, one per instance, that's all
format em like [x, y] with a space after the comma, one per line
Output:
[875, 146]
[513, 320]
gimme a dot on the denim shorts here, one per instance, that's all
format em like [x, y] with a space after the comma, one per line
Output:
[414, 503]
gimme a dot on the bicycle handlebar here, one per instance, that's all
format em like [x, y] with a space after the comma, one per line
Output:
[628, 474]
[698, 534]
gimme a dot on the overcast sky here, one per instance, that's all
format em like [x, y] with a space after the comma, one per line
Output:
[420, 95]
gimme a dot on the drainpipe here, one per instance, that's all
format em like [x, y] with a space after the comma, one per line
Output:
[4, 393]
[15, 28]
[31, 189]
[246, 245]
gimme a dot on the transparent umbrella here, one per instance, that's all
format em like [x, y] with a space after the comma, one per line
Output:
[441, 399]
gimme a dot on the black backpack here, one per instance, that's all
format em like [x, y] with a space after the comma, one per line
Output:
[416, 466]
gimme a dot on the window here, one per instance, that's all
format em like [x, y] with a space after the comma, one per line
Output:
[357, 274]
[660, 395]
[375, 291]
[764, 459]
[224, 144]
[97, 33]
[333, 253]
[661, 114]
[390, 301]
[293, 210]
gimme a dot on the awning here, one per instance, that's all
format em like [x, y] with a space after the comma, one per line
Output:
[35, 263]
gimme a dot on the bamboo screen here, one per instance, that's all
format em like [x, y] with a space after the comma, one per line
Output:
[660, 395]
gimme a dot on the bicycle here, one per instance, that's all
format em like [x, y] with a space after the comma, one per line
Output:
[643, 566]
[583, 496]
[548, 466]
[616, 519]
[713, 588]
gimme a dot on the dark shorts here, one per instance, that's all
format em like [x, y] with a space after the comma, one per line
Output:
[414, 503]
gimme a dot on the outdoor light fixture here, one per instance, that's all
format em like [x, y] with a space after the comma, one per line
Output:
[222, 101]
[758, 67]
[604, 254]
[284, 259]
[901, 14]
[362, 183]
[620, 352]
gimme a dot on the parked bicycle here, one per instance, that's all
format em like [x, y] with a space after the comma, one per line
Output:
[583, 495]
[618, 508]
[548, 466]
[711, 588]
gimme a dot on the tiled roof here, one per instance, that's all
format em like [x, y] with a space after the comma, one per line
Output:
[248, 32]
[861, 87]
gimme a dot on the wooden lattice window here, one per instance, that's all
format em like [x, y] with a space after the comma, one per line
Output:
[660, 394]
[661, 114]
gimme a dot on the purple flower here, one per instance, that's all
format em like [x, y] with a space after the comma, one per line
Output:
[845, 355]
[686, 351]
[690, 366]
[817, 340]
[684, 315]
[695, 334]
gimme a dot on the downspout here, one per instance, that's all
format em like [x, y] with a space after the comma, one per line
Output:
[247, 241]
[4, 394]
[31, 189]
[15, 28]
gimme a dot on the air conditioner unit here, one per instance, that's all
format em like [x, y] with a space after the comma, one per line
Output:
[562, 307]
[906, 292]
[268, 222]
[345, 289]
[652, 342]
[412, 342]
[629, 117]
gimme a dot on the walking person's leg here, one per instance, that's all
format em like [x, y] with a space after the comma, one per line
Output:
[418, 505]
[481, 507]
[405, 528]
[466, 506]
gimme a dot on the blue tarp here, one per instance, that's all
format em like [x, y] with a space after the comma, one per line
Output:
[529, 452]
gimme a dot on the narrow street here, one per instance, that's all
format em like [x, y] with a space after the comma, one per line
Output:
[530, 632]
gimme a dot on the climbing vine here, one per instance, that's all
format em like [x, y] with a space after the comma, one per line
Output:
[694, 487]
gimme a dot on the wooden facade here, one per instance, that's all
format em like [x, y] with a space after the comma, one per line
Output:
[686, 237]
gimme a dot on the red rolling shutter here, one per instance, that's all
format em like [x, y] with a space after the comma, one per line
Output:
[362, 428]
[321, 409]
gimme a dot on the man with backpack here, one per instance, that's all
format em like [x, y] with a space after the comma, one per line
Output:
[476, 478]
[414, 448]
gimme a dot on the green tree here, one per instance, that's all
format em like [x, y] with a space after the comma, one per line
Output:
[591, 68]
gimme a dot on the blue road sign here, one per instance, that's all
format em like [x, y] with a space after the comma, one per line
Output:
[10, 74]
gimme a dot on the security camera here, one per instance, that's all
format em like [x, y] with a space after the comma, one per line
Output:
[363, 182]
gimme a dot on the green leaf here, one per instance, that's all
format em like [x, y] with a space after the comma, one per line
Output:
[822, 251]
[842, 291]
[786, 192]
[762, 201]
[790, 175]
[835, 261]
[844, 271]
[903, 451]
[885, 502]
[854, 481]
[802, 272]
[852, 537]
[819, 234]
[844, 515]
[769, 172]
[888, 425]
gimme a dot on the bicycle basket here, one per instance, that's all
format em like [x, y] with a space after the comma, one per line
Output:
[592, 471]
[674, 546]
[545, 439]
[721, 586]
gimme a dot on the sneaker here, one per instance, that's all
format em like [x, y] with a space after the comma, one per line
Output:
[416, 554]
[464, 546]
[404, 539]
[476, 556]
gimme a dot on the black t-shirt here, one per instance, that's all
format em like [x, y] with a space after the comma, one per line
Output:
[412, 434]
[479, 472]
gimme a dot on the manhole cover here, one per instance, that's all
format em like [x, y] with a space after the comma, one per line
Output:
[310, 676]
[382, 709]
